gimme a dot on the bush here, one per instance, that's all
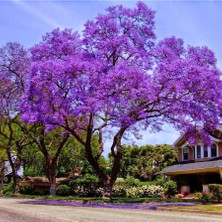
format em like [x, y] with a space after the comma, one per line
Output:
[151, 191]
[119, 191]
[160, 181]
[170, 188]
[63, 190]
[132, 192]
[8, 190]
[205, 197]
[28, 190]
[99, 192]
[85, 186]
[130, 182]
[216, 190]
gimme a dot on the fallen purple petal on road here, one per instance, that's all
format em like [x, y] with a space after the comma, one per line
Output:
[140, 206]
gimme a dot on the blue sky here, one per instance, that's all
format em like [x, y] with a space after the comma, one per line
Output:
[197, 22]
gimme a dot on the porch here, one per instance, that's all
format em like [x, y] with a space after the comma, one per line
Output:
[195, 176]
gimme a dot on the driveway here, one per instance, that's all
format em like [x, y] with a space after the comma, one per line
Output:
[26, 210]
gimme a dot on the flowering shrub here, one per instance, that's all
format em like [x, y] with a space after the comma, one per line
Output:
[144, 191]
[184, 193]
[99, 192]
[80, 188]
[151, 191]
[132, 192]
[205, 197]
[119, 191]
[179, 196]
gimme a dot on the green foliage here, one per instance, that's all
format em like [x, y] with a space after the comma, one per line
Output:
[28, 190]
[130, 182]
[33, 162]
[205, 197]
[8, 189]
[216, 190]
[71, 157]
[63, 190]
[151, 191]
[119, 191]
[170, 188]
[85, 186]
[144, 162]
[160, 181]
[132, 192]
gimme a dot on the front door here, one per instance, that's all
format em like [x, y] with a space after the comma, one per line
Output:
[195, 183]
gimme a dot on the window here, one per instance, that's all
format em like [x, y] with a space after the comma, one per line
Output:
[205, 151]
[213, 150]
[185, 153]
[198, 147]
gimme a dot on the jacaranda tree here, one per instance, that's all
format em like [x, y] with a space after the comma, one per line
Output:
[115, 79]
[15, 67]
[15, 136]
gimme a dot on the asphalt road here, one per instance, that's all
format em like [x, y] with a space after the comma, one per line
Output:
[22, 210]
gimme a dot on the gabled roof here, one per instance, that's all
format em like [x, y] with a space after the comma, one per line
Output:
[191, 167]
[42, 179]
[182, 139]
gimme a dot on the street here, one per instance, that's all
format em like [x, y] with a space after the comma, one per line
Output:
[25, 210]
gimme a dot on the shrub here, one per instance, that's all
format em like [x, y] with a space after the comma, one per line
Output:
[151, 191]
[119, 191]
[99, 192]
[216, 190]
[139, 191]
[145, 183]
[205, 197]
[160, 181]
[132, 192]
[85, 186]
[28, 190]
[170, 188]
[130, 182]
[63, 190]
[8, 190]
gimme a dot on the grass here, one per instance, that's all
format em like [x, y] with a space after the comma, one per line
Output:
[204, 208]
[100, 200]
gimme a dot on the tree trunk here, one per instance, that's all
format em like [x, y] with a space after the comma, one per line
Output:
[15, 183]
[107, 189]
[2, 175]
[15, 167]
[52, 180]
[52, 190]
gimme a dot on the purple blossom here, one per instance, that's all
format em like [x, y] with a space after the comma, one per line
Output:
[117, 75]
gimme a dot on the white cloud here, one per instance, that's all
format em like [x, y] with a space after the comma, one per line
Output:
[37, 13]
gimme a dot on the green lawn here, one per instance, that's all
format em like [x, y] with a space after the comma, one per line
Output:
[204, 208]
[113, 200]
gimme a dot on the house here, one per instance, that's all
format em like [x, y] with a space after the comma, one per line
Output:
[198, 165]
[39, 183]
[42, 183]
[8, 178]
